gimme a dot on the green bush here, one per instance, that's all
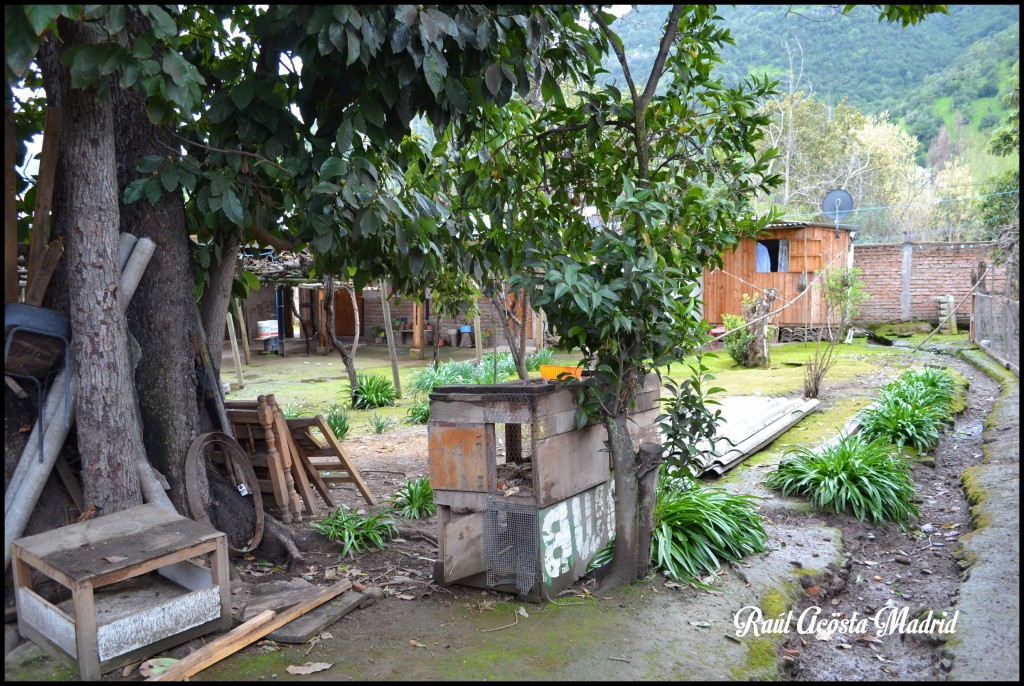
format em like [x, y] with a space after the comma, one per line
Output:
[356, 532]
[903, 417]
[855, 474]
[737, 343]
[427, 379]
[484, 372]
[374, 390]
[934, 387]
[337, 419]
[699, 528]
[415, 499]
[418, 412]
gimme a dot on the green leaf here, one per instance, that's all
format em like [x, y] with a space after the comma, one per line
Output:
[135, 191]
[169, 177]
[232, 207]
[344, 138]
[435, 68]
[40, 16]
[492, 77]
[163, 25]
[152, 190]
[175, 67]
[243, 93]
[332, 166]
[354, 46]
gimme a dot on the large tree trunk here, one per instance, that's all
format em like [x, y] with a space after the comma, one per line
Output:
[625, 566]
[162, 315]
[346, 358]
[109, 438]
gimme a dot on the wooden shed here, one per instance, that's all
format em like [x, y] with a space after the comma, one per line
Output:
[796, 253]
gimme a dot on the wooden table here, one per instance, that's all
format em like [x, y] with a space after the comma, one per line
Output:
[139, 584]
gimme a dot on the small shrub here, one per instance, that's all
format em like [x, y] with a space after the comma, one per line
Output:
[463, 370]
[737, 343]
[380, 424]
[427, 379]
[418, 412]
[903, 417]
[935, 387]
[415, 499]
[337, 420]
[373, 391]
[484, 373]
[698, 528]
[291, 410]
[356, 532]
[856, 474]
[535, 360]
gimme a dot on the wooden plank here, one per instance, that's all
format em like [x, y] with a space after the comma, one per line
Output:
[44, 194]
[464, 547]
[567, 464]
[335, 445]
[293, 470]
[70, 482]
[304, 628]
[36, 286]
[10, 208]
[461, 456]
[246, 633]
[312, 473]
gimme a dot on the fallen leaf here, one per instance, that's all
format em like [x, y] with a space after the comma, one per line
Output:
[158, 665]
[794, 653]
[406, 596]
[308, 668]
[416, 644]
[330, 573]
[324, 635]
[867, 638]
[522, 611]
[824, 635]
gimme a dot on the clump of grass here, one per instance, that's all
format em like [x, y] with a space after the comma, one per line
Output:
[418, 412]
[912, 409]
[356, 532]
[291, 410]
[380, 423]
[374, 390]
[491, 372]
[415, 499]
[698, 528]
[535, 360]
[337, 420]
[854, 475]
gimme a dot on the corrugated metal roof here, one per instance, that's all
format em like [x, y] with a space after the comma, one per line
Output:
[819, 225]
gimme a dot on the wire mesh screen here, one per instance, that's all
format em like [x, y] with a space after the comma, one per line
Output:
[511, 544]
[997, 327]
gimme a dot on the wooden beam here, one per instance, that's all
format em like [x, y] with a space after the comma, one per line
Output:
[10, 208]
[36, 286]
[44, 193]
[244, 634]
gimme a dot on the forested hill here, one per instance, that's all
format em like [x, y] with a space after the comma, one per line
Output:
[920, 74]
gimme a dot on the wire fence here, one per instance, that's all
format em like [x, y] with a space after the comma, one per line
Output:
[996, 328]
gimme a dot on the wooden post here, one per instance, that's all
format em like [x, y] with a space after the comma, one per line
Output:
[10, 209]
[44, 198]
[234, 349]
[419, 325]
[479, 337]
[243, 328]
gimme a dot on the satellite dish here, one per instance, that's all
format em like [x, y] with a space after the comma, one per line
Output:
[836, 206]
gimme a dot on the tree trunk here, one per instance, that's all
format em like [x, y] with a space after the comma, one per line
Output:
[755, 315]
[625, 566]
[350, 365]
[213, 306]
[649, 461]
[162, 315]
[109, 439]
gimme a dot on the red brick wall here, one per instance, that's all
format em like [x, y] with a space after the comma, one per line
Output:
[904, 278]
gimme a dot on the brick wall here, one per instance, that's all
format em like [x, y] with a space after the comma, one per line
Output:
[375, 317]
[904, 278]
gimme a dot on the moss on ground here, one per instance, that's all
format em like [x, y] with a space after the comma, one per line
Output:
[976, 496]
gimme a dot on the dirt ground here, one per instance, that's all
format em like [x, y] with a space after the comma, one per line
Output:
[419, 630]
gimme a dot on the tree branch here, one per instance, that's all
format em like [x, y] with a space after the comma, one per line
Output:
[616, 44]
[671, 29]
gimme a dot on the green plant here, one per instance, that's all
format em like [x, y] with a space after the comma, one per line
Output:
[535, 360]
[418, 412]
[688, 416]
[855, 474]
[374, 390]
[427, 379]
[337, 420]
[904, 417]
[356, 532]
[697, 528]
[843, 291]
[494, 368]
[737, 342]
[291, 410]
[935, 388]
[380, 424]
[415, 499]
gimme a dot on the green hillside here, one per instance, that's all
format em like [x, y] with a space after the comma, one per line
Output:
[946, 70]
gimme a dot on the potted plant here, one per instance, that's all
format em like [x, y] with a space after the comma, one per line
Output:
[379, 335]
